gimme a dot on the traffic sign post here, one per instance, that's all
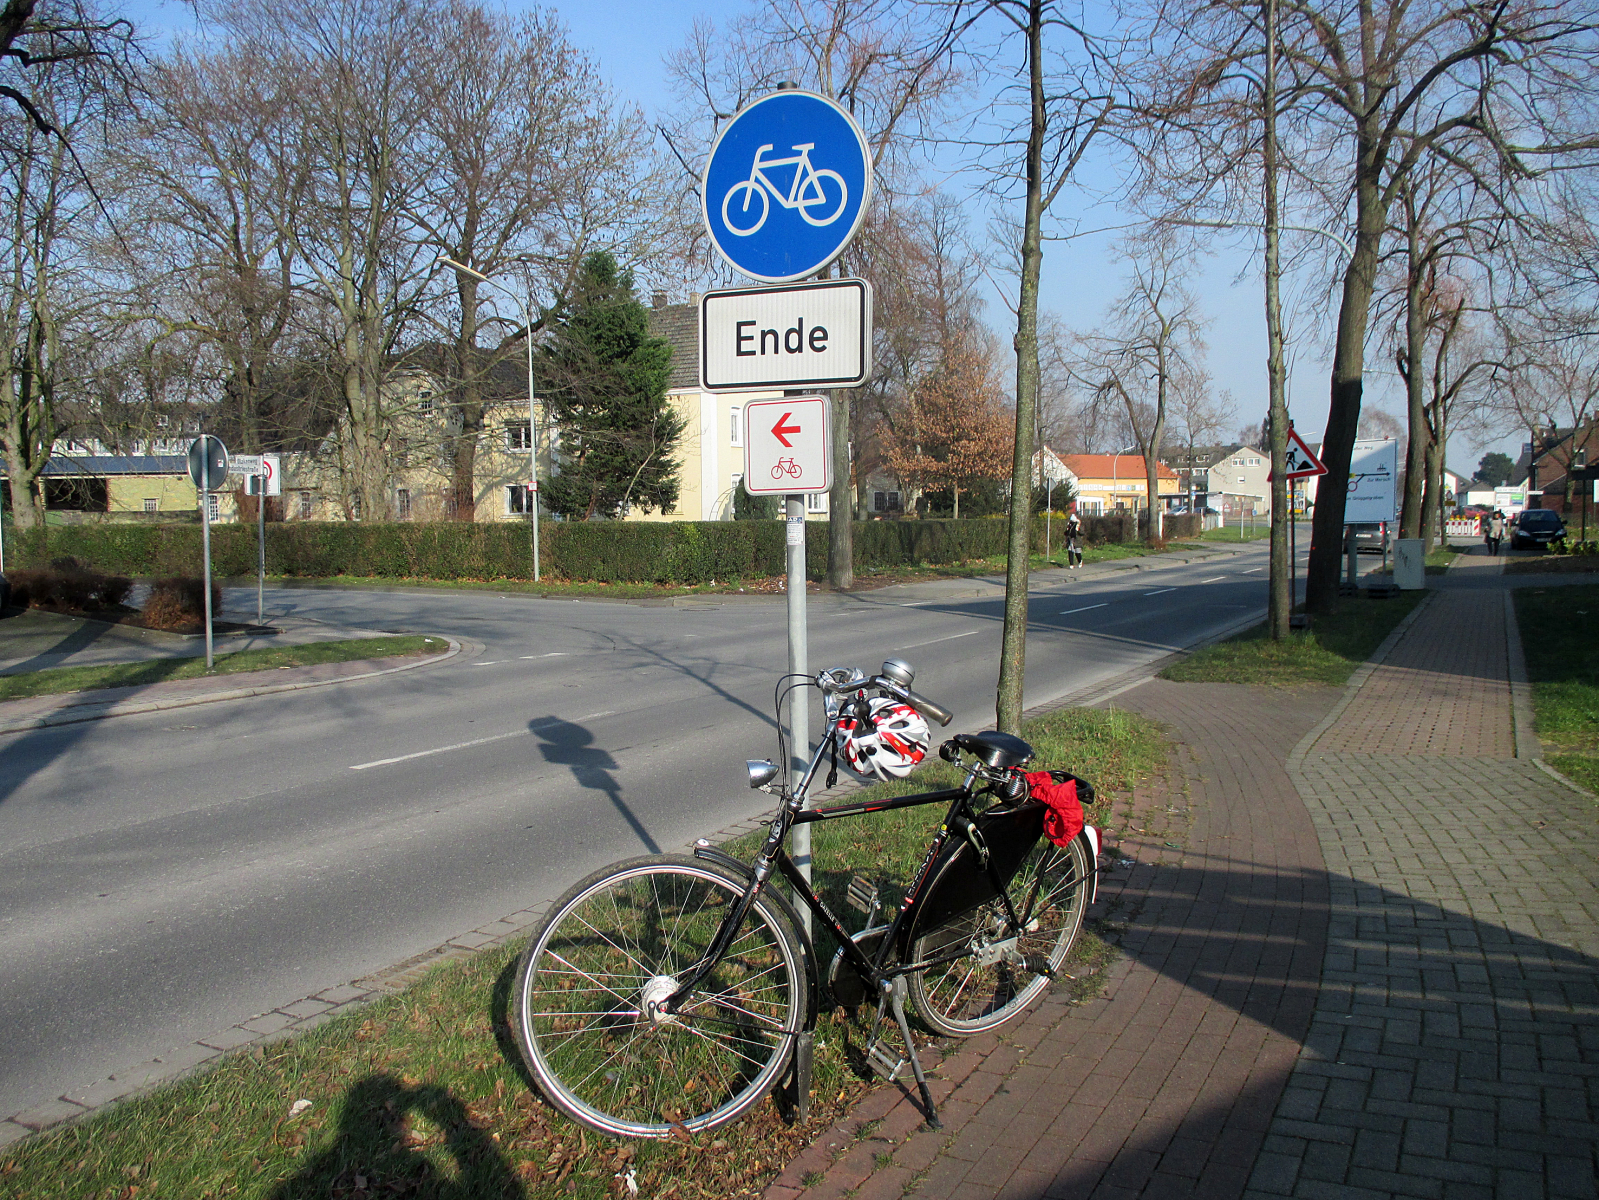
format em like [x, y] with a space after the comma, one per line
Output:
[801, 336]
[208, 467]
[786, 185]
[262, 478]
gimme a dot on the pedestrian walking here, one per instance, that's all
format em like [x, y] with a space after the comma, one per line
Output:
[1493, 531]
[1074, 541]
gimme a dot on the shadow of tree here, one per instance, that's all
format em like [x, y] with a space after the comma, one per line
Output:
[377, 1150]
[572, 745]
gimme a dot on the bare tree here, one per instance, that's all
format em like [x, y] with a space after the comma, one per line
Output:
[1151, 347]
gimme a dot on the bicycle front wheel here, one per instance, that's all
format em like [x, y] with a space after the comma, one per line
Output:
[592, 983]
[989, 978]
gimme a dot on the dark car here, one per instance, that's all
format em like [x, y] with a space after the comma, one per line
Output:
[1536, 527]
[1370, 536]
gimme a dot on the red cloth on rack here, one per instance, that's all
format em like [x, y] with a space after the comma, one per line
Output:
[1064, 820]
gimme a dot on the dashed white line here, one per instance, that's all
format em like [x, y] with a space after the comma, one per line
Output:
[935, 641]
[1070, 611]
[491, 663]
[1213, 579]
[385, 762]
[552, 654]
[1160, 591]
[1252, 570]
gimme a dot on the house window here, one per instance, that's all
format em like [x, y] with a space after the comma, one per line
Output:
[355, 507]
[213, 508]
[402, 503]
[305, 506]
[815, 502]
[737, 424]
[518, 435]
[516, 499]
[151, 504]
[425, 400]
[886, 502]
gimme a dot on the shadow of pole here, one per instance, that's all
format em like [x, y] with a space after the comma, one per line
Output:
[572, 745]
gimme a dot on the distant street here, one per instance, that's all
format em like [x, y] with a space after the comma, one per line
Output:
[166, 875]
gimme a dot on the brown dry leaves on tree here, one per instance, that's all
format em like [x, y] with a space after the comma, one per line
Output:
[955, 430]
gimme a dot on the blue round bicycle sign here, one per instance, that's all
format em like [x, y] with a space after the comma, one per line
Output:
[786, 186]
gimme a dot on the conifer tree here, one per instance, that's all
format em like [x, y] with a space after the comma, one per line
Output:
[605, 381]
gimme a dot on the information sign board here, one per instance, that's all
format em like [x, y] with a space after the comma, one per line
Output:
[800, 336]
[788, 445]
[1373, 473]
[208, 462]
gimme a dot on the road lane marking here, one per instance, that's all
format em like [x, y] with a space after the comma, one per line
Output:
[1213, 579]
[935, 641]
[608, 712]
[552, 654]
[1252, 570]
[1160, 591]
[388, 762]
[1070, 611]
[491, 663]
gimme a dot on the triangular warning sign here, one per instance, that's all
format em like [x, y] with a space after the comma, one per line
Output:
[1301, 463]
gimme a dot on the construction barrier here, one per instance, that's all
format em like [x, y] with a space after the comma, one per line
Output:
[1467, 527]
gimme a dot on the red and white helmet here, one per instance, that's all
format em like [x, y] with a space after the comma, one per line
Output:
[889, 742]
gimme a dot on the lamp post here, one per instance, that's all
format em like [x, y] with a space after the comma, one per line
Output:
[1115, 461]
[1581, 463]
[526, 303]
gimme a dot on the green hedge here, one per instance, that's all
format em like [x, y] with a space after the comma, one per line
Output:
[680, 552]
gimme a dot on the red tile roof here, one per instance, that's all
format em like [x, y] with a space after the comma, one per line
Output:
[1098, 466]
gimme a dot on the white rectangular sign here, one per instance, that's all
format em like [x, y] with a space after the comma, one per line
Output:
[1373, 472]
[256, 469]
[798, 336]
[788, 445]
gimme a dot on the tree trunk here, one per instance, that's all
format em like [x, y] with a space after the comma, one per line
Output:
[1013, 644]
[1416, 453]
[1343, 411]
[840, 531]
[1280, 601]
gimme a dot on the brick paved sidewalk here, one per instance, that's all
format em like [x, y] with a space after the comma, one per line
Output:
[1368, 971]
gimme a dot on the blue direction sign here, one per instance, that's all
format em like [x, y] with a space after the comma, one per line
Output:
[786, 186]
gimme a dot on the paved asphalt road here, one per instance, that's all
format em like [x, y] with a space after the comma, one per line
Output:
[163, 876]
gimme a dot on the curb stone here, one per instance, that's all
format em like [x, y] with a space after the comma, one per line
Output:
[74, 714]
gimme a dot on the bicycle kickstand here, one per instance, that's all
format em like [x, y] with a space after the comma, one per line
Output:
[894, 999]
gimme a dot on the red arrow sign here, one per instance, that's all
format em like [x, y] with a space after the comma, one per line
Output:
[780, 429]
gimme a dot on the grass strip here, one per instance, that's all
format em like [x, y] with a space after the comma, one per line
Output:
[1327, 653]
[158, 670]
[1560, 640]
[423, 1094]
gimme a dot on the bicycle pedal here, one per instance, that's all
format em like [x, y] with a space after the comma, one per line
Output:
[884, 1062]
[862, 895]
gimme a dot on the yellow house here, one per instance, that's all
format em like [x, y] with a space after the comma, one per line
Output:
[1111, 481]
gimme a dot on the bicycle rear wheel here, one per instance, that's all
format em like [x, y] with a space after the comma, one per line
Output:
[992, 979]
[615, 947]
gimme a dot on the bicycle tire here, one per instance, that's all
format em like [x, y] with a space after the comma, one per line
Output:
[621, 938]
[967, 996]
[822, 198]
[748, 185]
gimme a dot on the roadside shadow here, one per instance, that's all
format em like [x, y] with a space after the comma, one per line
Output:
[377, 1149]
[569, 744]
[85, 634]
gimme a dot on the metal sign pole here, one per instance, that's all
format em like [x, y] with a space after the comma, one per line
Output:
[260, 545]
[798, 664]
[205, 541]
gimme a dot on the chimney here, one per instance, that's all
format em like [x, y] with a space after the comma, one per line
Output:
[658, 299]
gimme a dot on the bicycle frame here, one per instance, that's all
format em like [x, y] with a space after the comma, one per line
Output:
[774, 858]
[803, 173]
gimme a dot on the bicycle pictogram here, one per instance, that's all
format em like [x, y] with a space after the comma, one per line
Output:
[810, 189]
[787, 466]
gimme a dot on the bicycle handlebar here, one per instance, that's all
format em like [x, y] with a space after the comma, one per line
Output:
[846, 679]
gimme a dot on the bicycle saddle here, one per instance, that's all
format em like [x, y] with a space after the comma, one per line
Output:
[996, 749]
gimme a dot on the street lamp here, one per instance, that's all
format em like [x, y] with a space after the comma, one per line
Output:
[1115, 461]
[532, 421]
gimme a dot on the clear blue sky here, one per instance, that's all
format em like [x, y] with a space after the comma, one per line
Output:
[629, 39]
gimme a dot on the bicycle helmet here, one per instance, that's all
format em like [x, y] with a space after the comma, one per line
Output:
[892, 740]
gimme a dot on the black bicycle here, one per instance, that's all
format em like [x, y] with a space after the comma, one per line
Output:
[670, 993]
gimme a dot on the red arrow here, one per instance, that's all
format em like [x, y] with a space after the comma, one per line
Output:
[780, 429]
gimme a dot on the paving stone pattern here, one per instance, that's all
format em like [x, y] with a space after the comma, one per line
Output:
[1455, 1045]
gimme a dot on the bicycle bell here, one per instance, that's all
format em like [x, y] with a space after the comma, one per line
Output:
[900, 671]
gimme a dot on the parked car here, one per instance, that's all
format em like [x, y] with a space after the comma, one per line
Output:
[1370, 537]
[1536, 527]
